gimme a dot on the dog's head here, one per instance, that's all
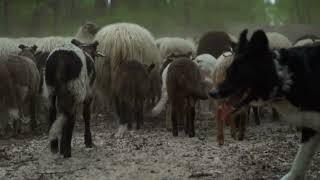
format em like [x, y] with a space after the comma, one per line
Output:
[252, 74]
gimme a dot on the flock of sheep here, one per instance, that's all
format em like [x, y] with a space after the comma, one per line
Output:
[122, 67]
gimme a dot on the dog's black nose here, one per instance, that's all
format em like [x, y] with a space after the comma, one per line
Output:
[215, 93]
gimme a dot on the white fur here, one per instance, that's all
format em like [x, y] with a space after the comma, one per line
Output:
[233, 38]
[295, 116]
[206, 63]
[304, 42]
[175, 45]
[83, 35]
[121, 130]
[29, 41]
[8, 46]
[48, 44]
[223, 62]
[164, 94]
[56, 128]
[14, 113]
[278, 41]
[122, 42]
[303, 159]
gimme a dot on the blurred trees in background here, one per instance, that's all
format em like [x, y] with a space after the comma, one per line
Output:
[53, 17]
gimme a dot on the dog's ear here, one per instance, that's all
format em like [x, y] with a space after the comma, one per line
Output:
[259, 42]
[243, 41]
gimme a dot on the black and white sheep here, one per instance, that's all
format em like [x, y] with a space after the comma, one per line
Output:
[69, 76]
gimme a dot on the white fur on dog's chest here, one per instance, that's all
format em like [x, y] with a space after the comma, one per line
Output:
[295, 116]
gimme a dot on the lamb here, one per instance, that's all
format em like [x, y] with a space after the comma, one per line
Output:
[20, 82]
[221, 106]
[214, 43]
[129, 90]
[306, 40]
[122, 42]
[175, 46]
[69, 76]
[87, 32]
[185, 87]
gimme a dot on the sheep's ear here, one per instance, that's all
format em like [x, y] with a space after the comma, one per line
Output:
[34, 48]
[150, 67]
[259, 42]
[95, 44]
[22, 46]
[76, 42]
[243, 41]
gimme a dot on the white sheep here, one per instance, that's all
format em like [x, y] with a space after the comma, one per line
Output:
[122, 42]
[278, 41]
[175, 45]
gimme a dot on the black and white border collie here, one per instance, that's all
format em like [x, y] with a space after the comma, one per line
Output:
[288, 79]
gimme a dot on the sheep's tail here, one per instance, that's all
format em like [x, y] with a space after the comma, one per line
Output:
[57, 127]
[161, 104]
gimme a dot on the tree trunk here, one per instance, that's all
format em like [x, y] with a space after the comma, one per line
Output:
[99, 7]
[6, 17]
[187, 14]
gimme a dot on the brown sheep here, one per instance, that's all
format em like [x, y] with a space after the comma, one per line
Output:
[185, 87]
[214, 43]
[129, 93]
[221, 106]
[20, 84]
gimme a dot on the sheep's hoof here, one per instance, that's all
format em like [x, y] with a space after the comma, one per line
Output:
[220, 140]
[241, 137]
[175, 133]
[233, 134]
[67, 155]
[90, 145]
[54, 146]
[191, 134]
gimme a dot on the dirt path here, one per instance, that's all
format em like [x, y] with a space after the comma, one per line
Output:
[152, 153]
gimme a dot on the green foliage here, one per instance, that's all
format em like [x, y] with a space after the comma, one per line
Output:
[159, 16]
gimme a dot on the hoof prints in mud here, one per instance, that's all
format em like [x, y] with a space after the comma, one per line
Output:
[152, 153]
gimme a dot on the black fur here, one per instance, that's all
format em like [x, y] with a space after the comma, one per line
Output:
[41, 59]
[91, 69]
[306, 134]
[214, 43]
[62, 66]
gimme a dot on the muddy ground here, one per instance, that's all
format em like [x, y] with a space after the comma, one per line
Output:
[152, 153]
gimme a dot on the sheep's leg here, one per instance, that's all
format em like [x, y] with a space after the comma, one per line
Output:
[243, 124]
[310, 143]
[219, 120]
[33, 122]
[275, 114]
[232, 122]
[192, 114]
[174, 119]
[169, 117]
[52, 110]
[86, 117]
[67, 135]
[139, 117]
[187, 120]
[256, 114]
